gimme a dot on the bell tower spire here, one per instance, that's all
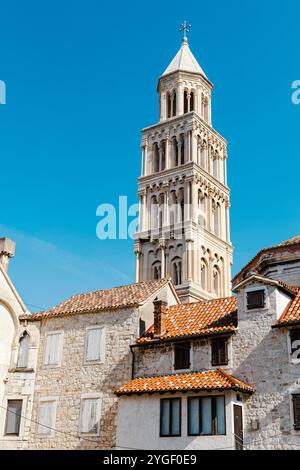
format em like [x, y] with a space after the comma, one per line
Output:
[183, 194]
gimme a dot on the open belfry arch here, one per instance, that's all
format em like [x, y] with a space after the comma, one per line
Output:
[183, 195]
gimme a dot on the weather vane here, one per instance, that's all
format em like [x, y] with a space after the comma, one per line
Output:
[185, 28]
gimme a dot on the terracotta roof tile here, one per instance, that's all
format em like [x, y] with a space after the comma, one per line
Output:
[292, 312]
[108, 299]
[198, 318]
[195, 381]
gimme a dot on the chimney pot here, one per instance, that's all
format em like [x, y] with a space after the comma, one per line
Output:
[7, 250]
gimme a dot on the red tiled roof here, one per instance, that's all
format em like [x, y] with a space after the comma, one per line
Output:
[118, 297]
[193, 381]
[292, 312]
[196, 319]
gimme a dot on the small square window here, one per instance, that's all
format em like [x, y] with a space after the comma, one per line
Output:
[219, 352]
[170, 417]
[255, 299]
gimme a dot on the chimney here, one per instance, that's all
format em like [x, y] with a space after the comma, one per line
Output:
[160, 309]
[7, 250]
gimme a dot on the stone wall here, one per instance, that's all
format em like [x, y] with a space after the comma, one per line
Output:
[261, 358]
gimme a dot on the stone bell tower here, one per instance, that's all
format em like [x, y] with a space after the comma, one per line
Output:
[183, 195]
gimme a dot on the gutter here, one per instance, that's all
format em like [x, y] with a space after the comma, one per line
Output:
[181, 339]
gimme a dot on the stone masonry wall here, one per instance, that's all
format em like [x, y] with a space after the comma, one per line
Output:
[74, 378]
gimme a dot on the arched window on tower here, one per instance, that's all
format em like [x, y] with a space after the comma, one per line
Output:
[181, 143]
[156, 268]
[176, 271]
[154, 213]
[192, 101]
[163, 156]
[203, 153]
[169, 105]
[174, 103]
[23, 350]
[215, 165]
[185, 102]
[217, 281]
[155, 158]
[203, 274]
[202, 209]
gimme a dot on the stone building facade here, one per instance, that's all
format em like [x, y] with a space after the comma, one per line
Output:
[183, 194]
[78, 353]
[252, 338]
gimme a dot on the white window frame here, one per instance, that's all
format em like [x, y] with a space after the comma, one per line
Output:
[102, 344]
[90, 396]
[51, 431]
[3, 413]
[61, 342]
[267, 300]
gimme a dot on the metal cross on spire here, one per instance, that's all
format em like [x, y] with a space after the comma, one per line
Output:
[185, 27]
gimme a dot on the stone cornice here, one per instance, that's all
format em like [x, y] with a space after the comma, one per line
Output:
[185, 119]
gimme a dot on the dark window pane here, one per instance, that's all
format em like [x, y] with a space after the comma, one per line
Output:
[206, 416]
[193, 416]
[182, 356]
[220, 415]
[256, 299]
[296, 406]
[165, 418]
[295, 339]
[170, 418]
[175, 428]
[13, 417]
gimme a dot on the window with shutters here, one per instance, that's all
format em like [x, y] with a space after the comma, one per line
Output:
[182, 356]
[47, 416]
[95, 344]
[90, 415]
[170, 417]
[295, 344]
[53, 349]
[13, 417]
[255, 299]
[23, 351]
[296, 408]
[206, 416]
[219, 352]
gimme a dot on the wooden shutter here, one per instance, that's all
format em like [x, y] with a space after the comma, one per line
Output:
[256, 299]
[93, 344]
[13, 417]
[219, 354]
[53, 349]
[23, 350]
[46, 417]
[182, 356]
[296, 406]
[90, 415]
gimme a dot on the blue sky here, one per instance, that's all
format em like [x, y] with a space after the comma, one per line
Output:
[81, 82]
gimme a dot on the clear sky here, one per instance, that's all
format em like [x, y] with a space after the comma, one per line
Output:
[81, 82]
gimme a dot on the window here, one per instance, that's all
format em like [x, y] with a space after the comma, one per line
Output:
[182, 356]
[255, 299]
[170, 417]
[95, 344]
[219, 352]
[23, 350]
[295, 343]
[90, 415]
[176, 271]
[13, 417]
[142, 327]
[156, 270]
[47, 416]
[53, 349]
[206, 416]
[296, 408]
